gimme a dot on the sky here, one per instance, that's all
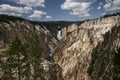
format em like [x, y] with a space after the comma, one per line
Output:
[59, 10]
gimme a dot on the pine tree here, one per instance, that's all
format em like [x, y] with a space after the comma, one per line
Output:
[116, 64]
[20, 59]
[13, 62]
[25, 68]
[36, 55]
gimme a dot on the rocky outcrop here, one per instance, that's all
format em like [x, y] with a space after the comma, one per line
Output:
[51, 71]
[88, 49]
[24, 30]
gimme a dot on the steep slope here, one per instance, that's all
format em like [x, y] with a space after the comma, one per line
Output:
[25, 31]
[87, 50]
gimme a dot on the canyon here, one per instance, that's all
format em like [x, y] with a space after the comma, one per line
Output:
[85, 52]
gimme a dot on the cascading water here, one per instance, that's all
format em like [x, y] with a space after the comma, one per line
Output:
[59, 36]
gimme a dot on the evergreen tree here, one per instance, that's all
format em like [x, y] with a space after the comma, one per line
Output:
[13, 62]
[116, 64]
[26, 71]
[21, 57]
[36, 55]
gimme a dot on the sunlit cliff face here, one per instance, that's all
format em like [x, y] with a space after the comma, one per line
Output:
[87, 52]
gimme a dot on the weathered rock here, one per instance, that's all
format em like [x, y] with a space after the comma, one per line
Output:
[87, 52]
[24, 30]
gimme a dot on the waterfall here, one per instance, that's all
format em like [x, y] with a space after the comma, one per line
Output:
[59, 36]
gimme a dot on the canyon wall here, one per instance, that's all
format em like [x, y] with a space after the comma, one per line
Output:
[89, 48]
[26, 32]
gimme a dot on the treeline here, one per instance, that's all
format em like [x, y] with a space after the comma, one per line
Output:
[7, 18]
[23, 61]
[108, 15]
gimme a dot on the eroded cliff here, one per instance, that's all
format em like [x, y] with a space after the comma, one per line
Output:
[36, 39]
[89, 48]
